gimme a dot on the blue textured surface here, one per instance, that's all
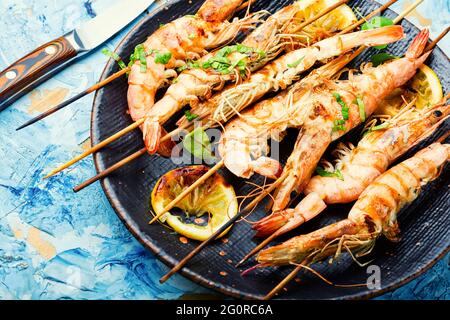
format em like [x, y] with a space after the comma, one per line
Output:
[55, 244]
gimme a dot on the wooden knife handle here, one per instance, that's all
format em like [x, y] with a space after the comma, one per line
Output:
[18, 78]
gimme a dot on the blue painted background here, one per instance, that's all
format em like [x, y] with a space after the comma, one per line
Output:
[55, 244]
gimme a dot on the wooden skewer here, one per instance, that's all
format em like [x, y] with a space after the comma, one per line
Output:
[247, 208]
[407, 11]
[259, 247]
[64, 104]
[188, 190]
[439, 38]
[285, 281]
[319, 15]
[370, 15]
[139, 122]
[96, 147]
[117, 165]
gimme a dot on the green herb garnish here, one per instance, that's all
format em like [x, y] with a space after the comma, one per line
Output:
[344, 107]
[382, 126]
[192, 36]
[197, 143]
[339, 125]
[296, 63]
[324, 173]
[114, 56]
[221, 63]
[190, 116]
[379, 58]
[139, 55]
[163, 58]
[362, 109]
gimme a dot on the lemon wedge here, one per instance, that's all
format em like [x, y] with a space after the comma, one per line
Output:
[425, 86]
[338, 19]
[212, 204]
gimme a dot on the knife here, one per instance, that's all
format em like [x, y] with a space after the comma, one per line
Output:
[42, 63]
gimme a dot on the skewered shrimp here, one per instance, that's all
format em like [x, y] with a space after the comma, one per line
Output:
[185, 38]
[286, 69]
[197, 82]
[374, 214]
[245, 139]
[359, 166]
[332, 109]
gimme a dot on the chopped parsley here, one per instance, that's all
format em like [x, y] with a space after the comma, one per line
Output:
[163, 58]
[362, 109]
[222, 64]
[344, 107]
[382, 126]
[114, 56]
[339, 125]
[324, 173]
[190, 116]
[295, 63]
[139, 55]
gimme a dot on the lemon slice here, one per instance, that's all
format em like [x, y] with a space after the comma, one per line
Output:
[425, 86]
[336, 20]
[214, 202]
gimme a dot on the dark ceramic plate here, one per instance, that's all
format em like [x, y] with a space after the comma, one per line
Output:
[425, 224]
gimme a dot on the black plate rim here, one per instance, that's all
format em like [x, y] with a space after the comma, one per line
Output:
[170, 261]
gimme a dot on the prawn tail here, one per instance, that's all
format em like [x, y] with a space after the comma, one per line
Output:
[380, 36]
[267, 167]
[165, 147]
[289, 219]
[272, 223]
[152, 135]
[417, 46]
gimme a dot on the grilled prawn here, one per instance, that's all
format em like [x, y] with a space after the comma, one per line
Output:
[334, 108]
[358, 166]
[174, 43]
[243, 145]
[232, 63]
[286, 69]
[374, 214]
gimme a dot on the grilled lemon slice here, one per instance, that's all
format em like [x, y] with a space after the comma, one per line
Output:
[336, 20]
[425, 86]
[214, 201]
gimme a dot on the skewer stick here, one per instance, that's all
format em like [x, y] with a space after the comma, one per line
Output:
[188, 190]
[407, 11]
[139, 122]
[247, 208]
[80, 95]
[286, 280]
[320, 15]
[121, 163]
[96, 147]
[439, 38]
[258, 247]
[370, 15]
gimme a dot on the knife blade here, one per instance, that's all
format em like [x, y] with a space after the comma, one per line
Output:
[50, 58]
